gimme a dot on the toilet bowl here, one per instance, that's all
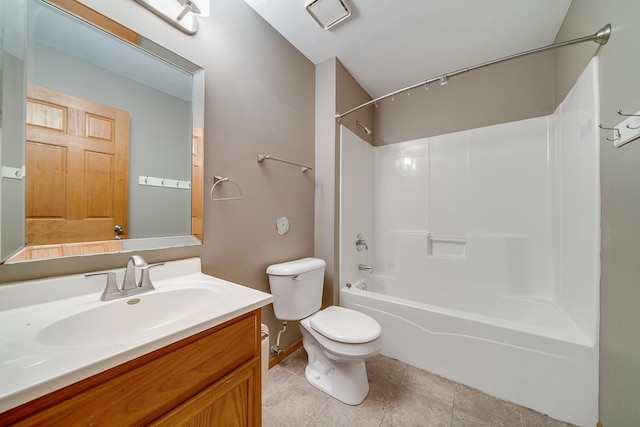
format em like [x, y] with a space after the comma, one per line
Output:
[336, 367]
[337, 340]
[344, 334]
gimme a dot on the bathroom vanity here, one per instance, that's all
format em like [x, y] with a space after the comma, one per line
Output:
[197, 364]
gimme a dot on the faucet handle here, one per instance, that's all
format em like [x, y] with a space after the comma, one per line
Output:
[145, 279]
[111, 290]
[361, 243]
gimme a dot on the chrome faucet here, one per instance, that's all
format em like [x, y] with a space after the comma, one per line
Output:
[129, 281]
[129, 287]
[365, 267]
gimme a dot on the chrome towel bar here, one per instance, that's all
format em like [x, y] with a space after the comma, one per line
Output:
[262, 158]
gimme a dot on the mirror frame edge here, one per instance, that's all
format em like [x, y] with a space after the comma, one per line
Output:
[104, 23]
[94, 17]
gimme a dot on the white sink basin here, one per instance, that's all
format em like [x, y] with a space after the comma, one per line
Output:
[122, 319]
[57, 331]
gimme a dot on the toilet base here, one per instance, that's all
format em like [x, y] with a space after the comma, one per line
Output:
[339, 386]
[345, 381]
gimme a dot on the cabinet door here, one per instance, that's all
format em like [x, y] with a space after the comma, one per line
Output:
[231, 402]
[141, 390]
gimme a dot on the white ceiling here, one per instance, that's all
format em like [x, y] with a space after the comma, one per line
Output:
[390, 44]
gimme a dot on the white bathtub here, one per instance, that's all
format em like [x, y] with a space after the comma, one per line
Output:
[524, 351]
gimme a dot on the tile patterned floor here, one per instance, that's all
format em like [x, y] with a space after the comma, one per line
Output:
[400, 396]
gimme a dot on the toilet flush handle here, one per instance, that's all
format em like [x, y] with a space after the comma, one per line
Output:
[297, 277]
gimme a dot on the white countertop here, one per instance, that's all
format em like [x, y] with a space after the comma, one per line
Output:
[32, 365]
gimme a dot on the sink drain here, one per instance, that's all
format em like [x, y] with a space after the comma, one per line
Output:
[133, 301]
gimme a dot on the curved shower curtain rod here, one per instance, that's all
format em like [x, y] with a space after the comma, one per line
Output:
[601, 37]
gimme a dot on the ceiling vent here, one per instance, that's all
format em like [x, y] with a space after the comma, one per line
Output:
[327, 13]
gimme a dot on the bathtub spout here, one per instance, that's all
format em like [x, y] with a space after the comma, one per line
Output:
[365, 267]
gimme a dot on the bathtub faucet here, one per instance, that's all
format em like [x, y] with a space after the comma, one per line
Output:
[365, 267]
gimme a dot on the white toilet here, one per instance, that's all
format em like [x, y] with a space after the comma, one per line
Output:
[337, 340]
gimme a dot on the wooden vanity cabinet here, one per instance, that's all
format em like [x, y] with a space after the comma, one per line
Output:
[209, 379]
[225, 403]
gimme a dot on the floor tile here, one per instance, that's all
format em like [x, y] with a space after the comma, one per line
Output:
[420, 399]
[462, 419]
[413, 410]
[428, 385]
[336, 413]
[385, 375]
[399, 396]
[295, 404]
[296, 362]
[472, 407]
[276, 378]
[531, 418]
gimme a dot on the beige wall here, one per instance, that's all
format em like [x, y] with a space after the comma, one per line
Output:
[500, 93]
[259, 100]
[324, 241]
[350, 94]
[336, 90]
[620, 188]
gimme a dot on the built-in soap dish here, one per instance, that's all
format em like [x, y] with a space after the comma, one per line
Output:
[447, 247]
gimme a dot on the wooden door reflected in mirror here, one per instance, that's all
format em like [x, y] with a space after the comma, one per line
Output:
[77, 158]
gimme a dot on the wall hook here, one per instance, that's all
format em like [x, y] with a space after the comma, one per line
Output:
[616, 132]
[628, 115]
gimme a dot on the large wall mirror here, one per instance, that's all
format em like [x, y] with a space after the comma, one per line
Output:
[100, 136]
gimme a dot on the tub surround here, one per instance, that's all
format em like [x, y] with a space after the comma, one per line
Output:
[36, 360]
[495, 253]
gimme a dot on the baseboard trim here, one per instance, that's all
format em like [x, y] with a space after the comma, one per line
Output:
[274, 360]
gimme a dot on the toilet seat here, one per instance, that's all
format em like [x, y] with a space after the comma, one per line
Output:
[344, 325]
[340, 351]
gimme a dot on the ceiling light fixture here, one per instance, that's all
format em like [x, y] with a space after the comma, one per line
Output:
[327, 13]
[179, 13]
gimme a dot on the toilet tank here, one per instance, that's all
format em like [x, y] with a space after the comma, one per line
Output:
[296, 287]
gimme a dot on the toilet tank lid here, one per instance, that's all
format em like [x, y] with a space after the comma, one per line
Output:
[295, 267]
